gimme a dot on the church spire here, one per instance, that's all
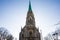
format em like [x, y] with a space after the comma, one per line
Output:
[30, 20]
[30, 9]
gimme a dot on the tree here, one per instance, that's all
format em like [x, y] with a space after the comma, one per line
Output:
[4, 34]
[9, 37]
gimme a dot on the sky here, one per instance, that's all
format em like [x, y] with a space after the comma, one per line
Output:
[13, 15]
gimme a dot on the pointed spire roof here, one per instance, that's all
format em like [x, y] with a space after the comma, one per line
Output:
[30, 9]
[30, 20]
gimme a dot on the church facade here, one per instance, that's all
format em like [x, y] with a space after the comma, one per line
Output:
[30, 32]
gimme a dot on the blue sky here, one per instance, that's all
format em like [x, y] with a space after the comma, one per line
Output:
[13, 15]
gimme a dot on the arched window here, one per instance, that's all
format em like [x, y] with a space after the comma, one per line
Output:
[30, 32]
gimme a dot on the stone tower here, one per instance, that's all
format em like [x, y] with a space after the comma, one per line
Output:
[29, 32]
